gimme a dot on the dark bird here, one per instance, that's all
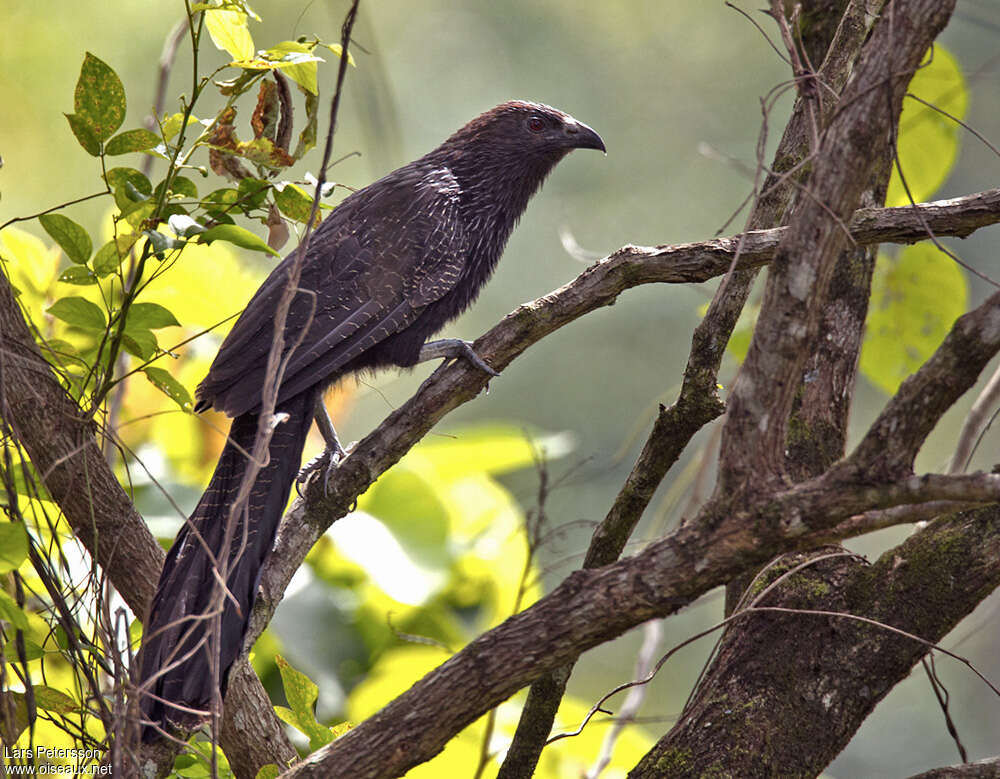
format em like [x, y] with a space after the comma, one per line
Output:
[389, 267]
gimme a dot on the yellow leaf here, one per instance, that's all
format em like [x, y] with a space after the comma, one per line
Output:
[229, 32]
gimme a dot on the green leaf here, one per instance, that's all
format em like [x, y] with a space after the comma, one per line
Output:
[142, 343]
[129, 186]
[84, 134]
[301, 693]
[229, 32]
[79, 312]
[220, 203]
[238, 236]
[915, 301]
[32, 651]
[928, 140]
[80, 275]
[269, 771]
[99, 99]
[151, 316]
[307, 138]
[294, 203]
[117, 178]
[252, 193]
[169, 386]
[11, 612]
[13, 546]
[131, 140]
[13, 716]
[107, 259]
[57, 352]
[25, 477]
[70, 236]
[172, 125]
[137, 213]
[51, 699]
[179, 185]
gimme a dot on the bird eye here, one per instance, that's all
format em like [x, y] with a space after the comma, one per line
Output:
[535, 124]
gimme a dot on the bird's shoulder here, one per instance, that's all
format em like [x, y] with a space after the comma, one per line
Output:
[402, 228]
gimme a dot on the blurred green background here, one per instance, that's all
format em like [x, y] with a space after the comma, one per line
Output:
[675, 90]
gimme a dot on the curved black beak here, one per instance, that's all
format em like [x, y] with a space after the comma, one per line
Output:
[579, 136]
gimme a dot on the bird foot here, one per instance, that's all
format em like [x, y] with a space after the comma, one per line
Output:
[466, 352]
[325, 463]
[454, 349]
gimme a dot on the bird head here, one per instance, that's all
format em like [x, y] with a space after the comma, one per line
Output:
[531, 129]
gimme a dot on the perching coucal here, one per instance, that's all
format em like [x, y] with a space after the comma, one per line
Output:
[389, 267]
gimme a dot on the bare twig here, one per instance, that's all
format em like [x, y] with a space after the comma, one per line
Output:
[976, 424]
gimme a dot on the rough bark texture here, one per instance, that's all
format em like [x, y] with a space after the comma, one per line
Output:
[765, 697]
[593, 606]
[698, 403]
[851, 146]
[826, 673]
[981, 769]
[924, 586]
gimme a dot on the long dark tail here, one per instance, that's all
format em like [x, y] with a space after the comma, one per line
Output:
[176, 659]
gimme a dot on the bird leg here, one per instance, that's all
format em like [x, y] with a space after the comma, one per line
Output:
[332, 455]
[454, 348]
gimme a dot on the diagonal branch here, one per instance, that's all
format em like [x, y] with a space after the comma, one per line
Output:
[592, 606]
[63, 448]
[68, 458]
[453, 385]
[892, 442]
[836, 35]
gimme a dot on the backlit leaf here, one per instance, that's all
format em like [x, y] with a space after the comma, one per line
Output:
[915, 301]
[172, 125]
[229, 32]
[301, 693]
[13, 546]
[11, 612]
[928, 140]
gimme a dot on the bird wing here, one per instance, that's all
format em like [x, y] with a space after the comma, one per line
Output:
[375, 263]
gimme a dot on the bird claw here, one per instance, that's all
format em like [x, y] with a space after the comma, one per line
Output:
[327, 462]
[468, 353]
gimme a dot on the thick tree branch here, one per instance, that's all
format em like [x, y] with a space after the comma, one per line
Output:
[133, 559]
[798, 282]
[698, 402]
[600, 285]
[823, 673]
[592, 606]
[892, 442]
[981, 769]
[588, 608]
[63, 448]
